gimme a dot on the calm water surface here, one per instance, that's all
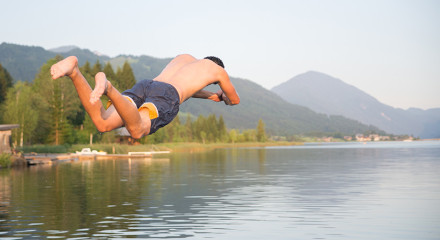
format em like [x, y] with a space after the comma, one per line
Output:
[315, 191]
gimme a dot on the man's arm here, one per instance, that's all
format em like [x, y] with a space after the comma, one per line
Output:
[207, 95]
[227, 92]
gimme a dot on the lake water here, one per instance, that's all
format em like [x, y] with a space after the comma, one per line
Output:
[316, 191]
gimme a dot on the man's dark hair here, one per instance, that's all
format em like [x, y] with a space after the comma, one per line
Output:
[217, 60]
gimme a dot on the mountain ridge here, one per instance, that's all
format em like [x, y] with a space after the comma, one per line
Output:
[326, 94]
[63, 49]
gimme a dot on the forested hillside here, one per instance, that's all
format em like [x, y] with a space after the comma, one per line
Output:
[280, 117]
[23, 62]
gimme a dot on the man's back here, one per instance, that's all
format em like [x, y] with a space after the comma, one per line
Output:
[190, 75]
[143, 112]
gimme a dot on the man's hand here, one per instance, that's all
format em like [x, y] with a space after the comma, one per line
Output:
[207, 95]
[226, 100]
[215, 97]
[222, 96]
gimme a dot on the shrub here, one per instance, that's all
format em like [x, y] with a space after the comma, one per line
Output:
[5, 160]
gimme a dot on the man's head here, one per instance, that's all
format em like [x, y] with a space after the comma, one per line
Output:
[217, 60]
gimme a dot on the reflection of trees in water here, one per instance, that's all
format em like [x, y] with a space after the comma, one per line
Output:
[220, 191]
[109, 194]
[5, 198]
[192, 191]
[71, 196]
[262, 159]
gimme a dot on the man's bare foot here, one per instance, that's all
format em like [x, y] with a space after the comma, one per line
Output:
[64, 67]
[102, 85]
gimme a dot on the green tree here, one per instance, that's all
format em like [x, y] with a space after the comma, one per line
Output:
[203, 136]
[233, 135]
[261, 132]
[125, 77]
[189, 128]
[88, 130]
[59, 101]
[158, 137]
[110, 74]
[212, 128]
[248, 135]
[21, 108]
[86, 68]
[96, 68]
[178, 130]
[171, 130]
[5, 83]
[222, 131]
[199, 126]
[87, 72]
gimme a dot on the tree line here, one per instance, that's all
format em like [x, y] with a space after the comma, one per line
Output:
[205, 130]
[49, 112]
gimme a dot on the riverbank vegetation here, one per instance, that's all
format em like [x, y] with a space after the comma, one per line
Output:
[5, 160]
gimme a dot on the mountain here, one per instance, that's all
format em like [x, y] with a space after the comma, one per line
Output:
[144, 67]
[280, 117]
[63, 49]
[23, 62]
[325, 94]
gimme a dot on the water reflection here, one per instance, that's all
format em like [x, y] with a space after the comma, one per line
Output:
[260, 193]
[71, 196]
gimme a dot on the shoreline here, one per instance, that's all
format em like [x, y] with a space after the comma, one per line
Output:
[52, 153]
[40, 154]
[117, 148]
[183, 147]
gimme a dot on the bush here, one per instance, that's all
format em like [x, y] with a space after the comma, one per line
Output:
[5, 160]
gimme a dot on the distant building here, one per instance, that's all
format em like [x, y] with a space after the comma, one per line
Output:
[125, 137]
[374, 137]
[385, 138]
[5, 137]
[360, 137]
[327, 139]
[348, 138]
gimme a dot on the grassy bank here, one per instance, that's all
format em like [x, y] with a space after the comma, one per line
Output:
[125, 148]
[114, 148]
[182, 147]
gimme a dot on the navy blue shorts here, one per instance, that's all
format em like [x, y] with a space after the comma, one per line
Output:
[161, 99]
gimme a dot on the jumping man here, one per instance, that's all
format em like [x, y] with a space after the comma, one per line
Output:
[150, 104]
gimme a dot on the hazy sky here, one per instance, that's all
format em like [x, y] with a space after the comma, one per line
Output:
[388, 48]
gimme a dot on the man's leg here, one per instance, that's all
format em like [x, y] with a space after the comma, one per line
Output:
[104, 120]
[137, 123]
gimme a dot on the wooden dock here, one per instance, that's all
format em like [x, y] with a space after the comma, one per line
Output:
[35, 159]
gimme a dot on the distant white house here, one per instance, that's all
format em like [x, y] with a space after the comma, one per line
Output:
[5, 137]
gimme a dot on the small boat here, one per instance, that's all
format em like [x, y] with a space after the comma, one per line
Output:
[88, 152]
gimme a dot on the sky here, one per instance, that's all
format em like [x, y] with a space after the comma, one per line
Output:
[389, 49]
